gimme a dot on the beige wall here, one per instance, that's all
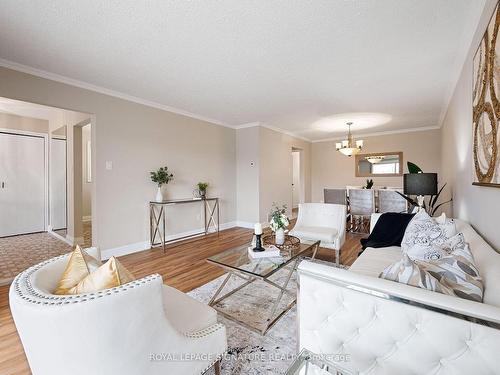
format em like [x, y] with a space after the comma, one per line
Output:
[14, 122]
[138, 139]
[331, 169]
[476, 204]
[276, 169]
[270, 178]
[247, 175]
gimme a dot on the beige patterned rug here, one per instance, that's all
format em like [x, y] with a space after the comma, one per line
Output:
[249, 352]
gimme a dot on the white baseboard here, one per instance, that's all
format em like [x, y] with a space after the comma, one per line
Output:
[59, 237]
[245, 224]
[141, 246]
[124, 250]
[86, 219]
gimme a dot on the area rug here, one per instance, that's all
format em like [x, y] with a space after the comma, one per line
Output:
[250, 353]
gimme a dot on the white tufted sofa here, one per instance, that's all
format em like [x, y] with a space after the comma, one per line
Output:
[390, 328]
[142, 327]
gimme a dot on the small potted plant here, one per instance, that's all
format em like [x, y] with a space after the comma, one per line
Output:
[202, 189]
[278, 222]
[161, 177]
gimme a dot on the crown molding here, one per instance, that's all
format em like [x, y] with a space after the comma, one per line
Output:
[247, 125]
[102, 90]
[388, 132]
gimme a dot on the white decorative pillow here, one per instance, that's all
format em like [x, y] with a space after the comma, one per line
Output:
[455, 273]
[421, 234]
[448, 225]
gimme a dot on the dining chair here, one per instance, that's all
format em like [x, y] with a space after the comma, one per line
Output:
[391, 201]
[335, 196]
[362, 205]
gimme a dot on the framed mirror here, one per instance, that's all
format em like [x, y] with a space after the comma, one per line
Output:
[379, 164]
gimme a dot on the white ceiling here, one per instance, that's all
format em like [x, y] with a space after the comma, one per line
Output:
[297, 65]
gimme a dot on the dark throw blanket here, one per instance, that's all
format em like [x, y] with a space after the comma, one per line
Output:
[388, 231]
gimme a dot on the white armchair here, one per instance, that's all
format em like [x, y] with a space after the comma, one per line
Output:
[142, 327]
[324, 222]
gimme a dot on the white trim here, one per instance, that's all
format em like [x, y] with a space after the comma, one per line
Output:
[141, 246]
[124, 250]
[86, 219]
[245, 224]
[45, 137]
[59, 237]
[376, 134]
[87, 86]
[248, 125]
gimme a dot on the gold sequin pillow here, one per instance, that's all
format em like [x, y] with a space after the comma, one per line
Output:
[80, 265]
[111, 274]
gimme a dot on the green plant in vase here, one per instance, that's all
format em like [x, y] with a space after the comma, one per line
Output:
[161, 177]
[202, 189]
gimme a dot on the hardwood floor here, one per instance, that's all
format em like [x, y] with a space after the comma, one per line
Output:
[183, 266]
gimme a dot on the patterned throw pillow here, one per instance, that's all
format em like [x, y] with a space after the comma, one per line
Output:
[421, 234]
[448, 225]
[454, 273]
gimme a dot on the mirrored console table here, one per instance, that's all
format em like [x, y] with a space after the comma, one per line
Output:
[158, 213]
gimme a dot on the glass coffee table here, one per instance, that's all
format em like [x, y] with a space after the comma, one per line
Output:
[308, 363]
[239, 264]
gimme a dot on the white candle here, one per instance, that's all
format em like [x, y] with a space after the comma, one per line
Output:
[258, 228]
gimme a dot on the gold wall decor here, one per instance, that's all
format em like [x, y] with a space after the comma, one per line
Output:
[486, 107]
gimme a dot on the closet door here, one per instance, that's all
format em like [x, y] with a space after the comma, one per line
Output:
[22, 184]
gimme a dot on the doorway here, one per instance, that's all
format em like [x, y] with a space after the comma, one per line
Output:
[40, 164]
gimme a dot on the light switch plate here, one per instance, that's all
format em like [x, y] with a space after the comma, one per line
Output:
[109, 165]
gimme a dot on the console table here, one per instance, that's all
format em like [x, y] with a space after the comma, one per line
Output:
[158, 212]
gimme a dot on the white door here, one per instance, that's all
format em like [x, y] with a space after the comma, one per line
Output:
[22, 184]
[58, 183]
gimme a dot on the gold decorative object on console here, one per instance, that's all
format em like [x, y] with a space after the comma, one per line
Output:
[486, 107]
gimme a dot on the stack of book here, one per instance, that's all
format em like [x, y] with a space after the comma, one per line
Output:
[270, 251]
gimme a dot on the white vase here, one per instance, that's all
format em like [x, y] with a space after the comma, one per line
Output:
[280, 236]
[159, 195]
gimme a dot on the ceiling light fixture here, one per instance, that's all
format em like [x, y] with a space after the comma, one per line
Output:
[349, 146]
[374, 159]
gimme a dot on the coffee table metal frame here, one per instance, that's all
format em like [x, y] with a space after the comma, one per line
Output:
[250, 277]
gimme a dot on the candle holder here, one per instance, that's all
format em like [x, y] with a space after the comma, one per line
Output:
[258, 243]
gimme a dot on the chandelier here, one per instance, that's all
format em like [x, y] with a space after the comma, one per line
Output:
[349, 146]
[374, 159]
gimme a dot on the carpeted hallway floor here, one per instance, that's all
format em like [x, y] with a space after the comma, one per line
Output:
[20, 252]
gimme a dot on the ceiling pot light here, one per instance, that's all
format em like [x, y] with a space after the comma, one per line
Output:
[349, 146]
